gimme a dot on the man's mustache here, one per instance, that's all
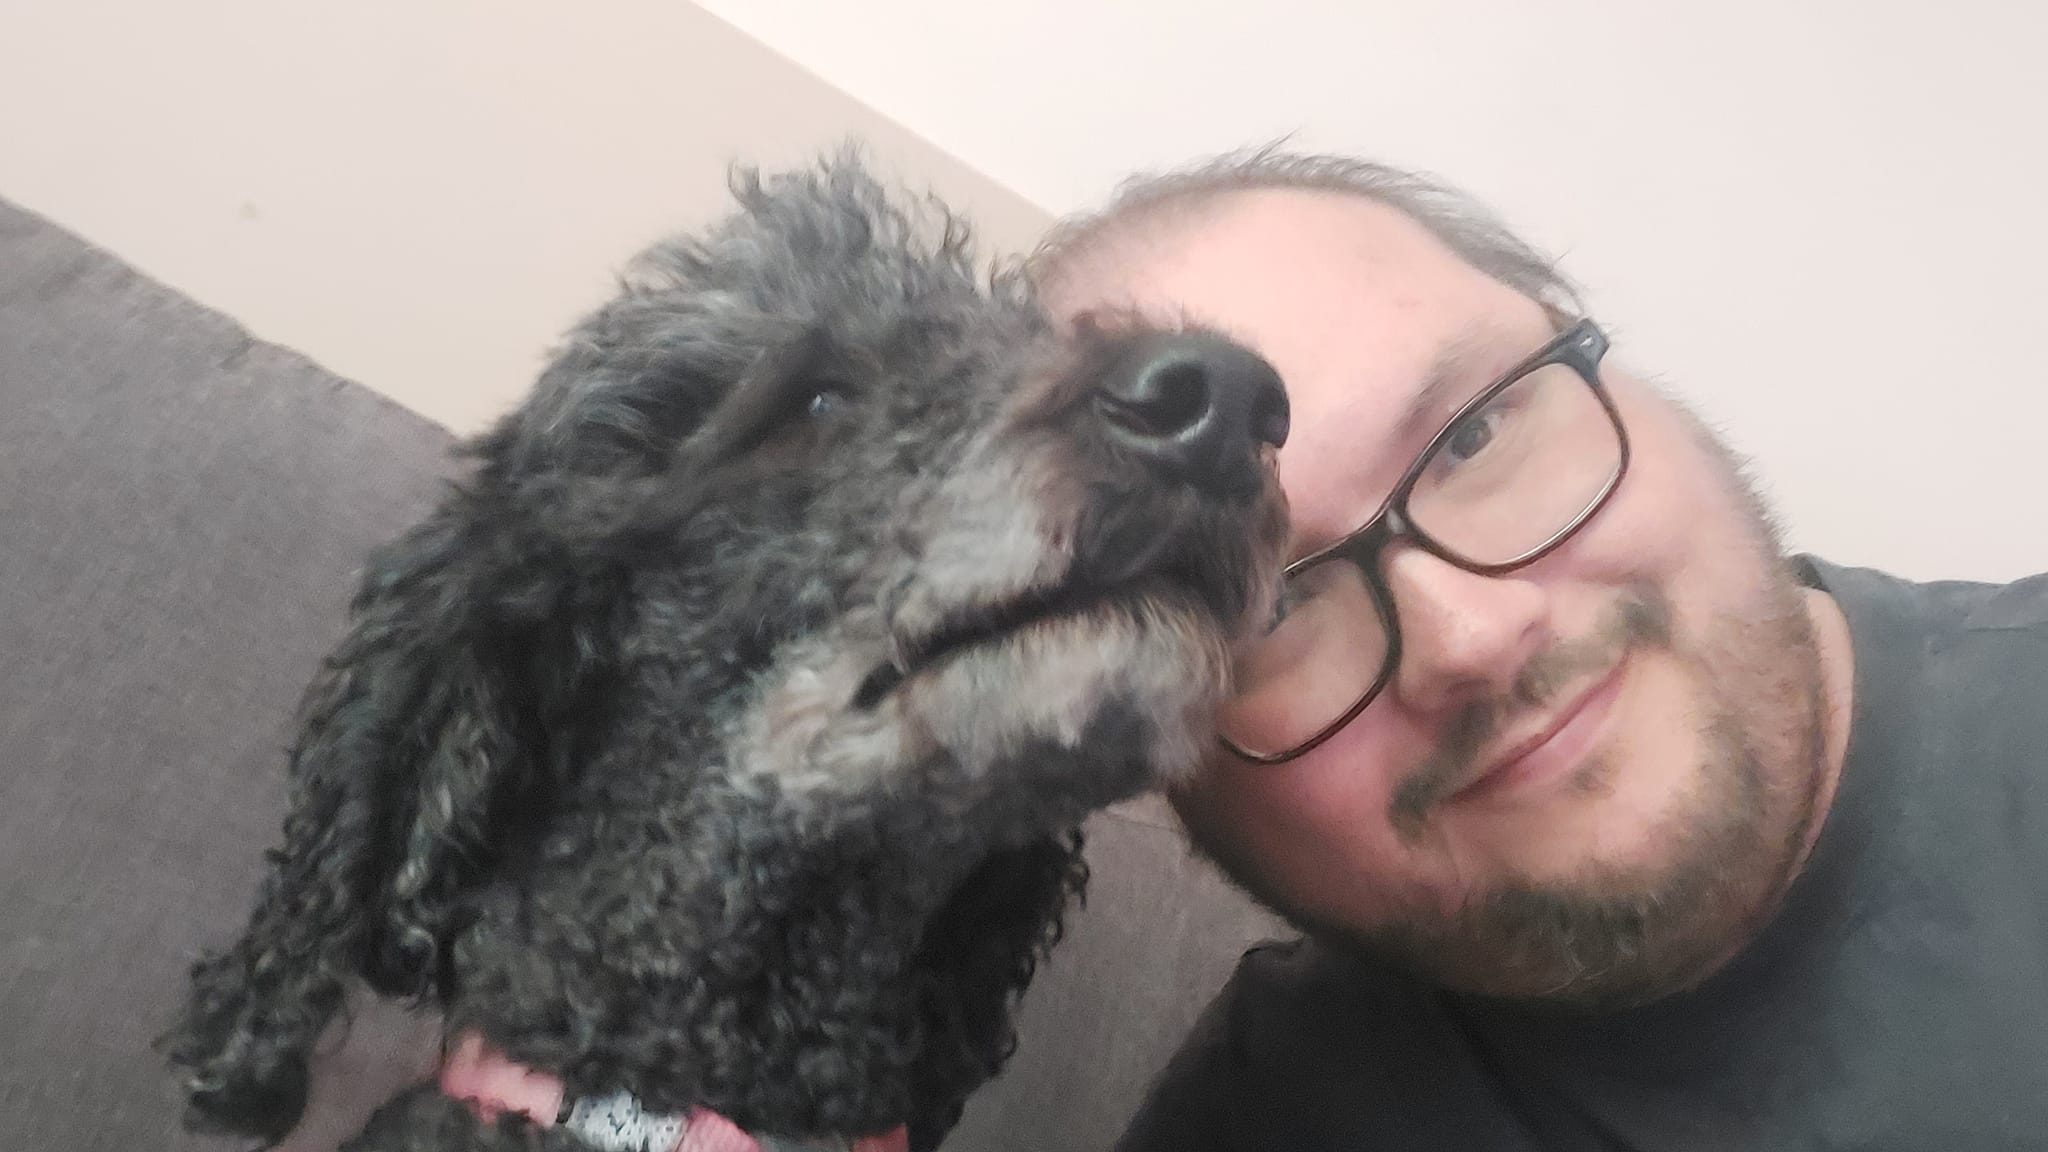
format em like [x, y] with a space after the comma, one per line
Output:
[1640, 619]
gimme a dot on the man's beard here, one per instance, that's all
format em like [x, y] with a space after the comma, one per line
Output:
[1610, 936]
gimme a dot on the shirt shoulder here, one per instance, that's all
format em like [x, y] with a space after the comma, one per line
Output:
[1937, 605]
[1949, 730]
[1943, 641]
[2019, 606]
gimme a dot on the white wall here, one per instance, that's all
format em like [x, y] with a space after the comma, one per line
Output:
[419, 194]
[1827, 222]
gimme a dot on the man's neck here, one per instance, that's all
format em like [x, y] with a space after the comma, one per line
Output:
[1837, 664]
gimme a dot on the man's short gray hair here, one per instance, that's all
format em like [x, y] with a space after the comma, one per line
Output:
[1456, 219]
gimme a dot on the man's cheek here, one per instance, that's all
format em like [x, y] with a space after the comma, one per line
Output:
[1319, 828]
[1655, 522]
[1632, 539]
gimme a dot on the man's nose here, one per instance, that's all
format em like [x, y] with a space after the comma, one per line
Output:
[1200, 408]
[1464, 637]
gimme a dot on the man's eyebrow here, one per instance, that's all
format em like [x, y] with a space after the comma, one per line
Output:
[1449, 382]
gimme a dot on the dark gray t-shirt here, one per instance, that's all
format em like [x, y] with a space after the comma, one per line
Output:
[1899, 1000]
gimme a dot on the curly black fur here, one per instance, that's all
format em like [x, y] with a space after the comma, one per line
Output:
[602, 766]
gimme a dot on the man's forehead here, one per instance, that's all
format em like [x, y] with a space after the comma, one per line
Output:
[1379, 329]
[1365, 417]
[1194, 251]
[1309, 277]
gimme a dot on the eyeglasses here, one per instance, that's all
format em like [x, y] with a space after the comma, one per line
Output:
[1519, 468]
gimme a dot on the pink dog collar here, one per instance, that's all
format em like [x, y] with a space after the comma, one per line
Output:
[492, 1083]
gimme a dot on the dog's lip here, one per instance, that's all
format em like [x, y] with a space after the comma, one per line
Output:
[972, 626]
[976, 626]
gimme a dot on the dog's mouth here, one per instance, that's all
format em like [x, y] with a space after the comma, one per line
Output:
[978, 627]
[973, 628]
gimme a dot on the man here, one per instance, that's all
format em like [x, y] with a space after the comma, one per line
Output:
[1607, 823]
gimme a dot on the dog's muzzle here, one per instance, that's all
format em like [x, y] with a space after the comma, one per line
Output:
[1197, 414]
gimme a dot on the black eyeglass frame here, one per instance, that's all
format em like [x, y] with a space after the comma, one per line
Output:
[1580, 346]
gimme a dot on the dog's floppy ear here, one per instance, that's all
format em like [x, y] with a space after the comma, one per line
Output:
[409, 742]
[979, 955]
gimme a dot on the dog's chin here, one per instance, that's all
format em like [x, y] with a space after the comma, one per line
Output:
[1081, 697]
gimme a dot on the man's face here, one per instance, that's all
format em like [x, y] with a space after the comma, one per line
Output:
[1661, 663]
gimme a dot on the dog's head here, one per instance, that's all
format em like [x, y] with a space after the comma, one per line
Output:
[722, 736]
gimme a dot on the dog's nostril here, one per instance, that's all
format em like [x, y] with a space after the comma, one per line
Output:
[1167, 400]
[1198, 405]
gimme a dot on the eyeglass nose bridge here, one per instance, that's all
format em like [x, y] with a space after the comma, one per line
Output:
[1365, 549]
[1367, 545]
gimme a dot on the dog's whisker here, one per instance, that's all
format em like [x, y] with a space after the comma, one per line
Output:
[900, 659]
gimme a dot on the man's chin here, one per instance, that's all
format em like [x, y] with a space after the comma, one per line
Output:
[1600, 836]
[1620, 811]
[1649, 908]
[1539, 944]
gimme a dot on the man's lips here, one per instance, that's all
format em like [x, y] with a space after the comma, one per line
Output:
[1550, 746]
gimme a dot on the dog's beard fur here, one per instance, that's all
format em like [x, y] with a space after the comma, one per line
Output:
[599, 765]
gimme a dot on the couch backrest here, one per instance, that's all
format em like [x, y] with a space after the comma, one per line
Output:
[182, 511]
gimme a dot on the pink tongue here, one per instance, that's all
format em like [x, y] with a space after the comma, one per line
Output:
[710, 1132]
[494, 1084]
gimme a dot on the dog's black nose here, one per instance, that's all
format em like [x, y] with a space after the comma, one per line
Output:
[1199, 405]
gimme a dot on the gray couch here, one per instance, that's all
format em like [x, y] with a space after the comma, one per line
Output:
[181, 511]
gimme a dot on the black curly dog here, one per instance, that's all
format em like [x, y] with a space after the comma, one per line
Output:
[724, 736]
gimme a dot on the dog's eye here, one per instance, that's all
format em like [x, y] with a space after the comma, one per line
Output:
[825, 403]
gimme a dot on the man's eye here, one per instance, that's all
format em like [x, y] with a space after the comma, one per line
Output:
[1471, 437]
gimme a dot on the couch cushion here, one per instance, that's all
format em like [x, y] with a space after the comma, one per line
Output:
[182, 510]
[1157, 937]
[182, 513]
